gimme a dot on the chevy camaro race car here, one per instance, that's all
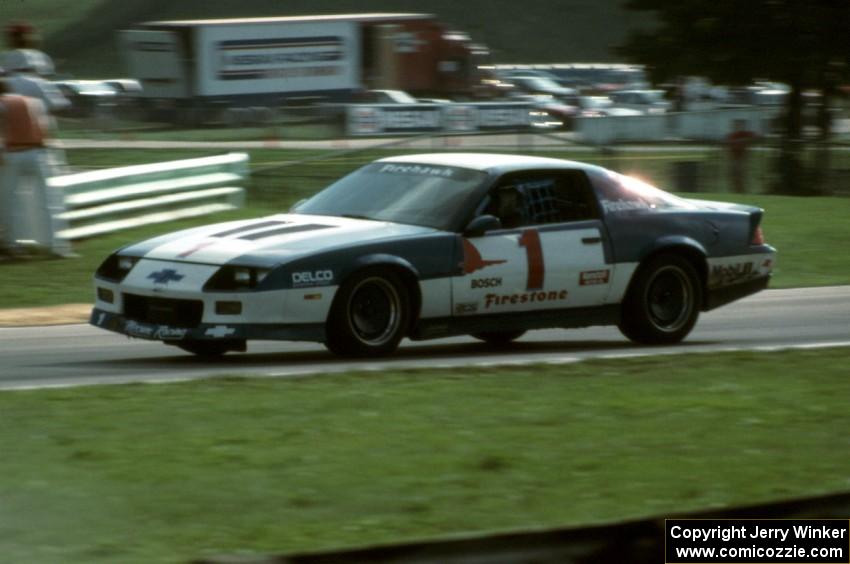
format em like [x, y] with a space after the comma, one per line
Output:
[427, 246]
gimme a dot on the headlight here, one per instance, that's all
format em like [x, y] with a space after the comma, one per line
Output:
[232, 278]
[115, 268]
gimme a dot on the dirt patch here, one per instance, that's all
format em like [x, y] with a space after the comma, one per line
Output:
[52, 315]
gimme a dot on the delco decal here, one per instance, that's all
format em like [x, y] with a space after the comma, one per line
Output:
[594, 277]
[524, 298]
[485, 283]
[314, 278]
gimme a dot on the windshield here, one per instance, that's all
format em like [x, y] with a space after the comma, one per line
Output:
[417, 194]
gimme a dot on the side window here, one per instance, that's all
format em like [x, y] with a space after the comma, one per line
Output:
[541, 198]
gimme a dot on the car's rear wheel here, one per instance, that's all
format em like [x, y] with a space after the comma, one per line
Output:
[210, 349]
[663, 303]
[499, 338]
[370, 314]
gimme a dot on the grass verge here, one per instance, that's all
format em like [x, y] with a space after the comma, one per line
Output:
[163, 473]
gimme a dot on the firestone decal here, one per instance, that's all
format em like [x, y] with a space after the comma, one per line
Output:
[315, 278]
[527, 297]
[594, 277]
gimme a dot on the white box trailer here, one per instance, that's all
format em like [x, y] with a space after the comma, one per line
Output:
[200, 67]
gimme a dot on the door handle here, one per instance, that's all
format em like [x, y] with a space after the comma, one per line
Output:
[591, 240]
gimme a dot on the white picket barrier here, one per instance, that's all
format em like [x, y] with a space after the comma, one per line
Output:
[108, 200]
[710, 125]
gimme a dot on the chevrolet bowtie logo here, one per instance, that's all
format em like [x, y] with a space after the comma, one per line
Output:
[165, 276]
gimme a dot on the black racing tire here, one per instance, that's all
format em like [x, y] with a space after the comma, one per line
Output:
[210, 349]
[499, 338]
[370, 314]
[663, 303]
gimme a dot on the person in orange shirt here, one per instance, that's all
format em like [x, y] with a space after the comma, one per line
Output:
[31, 210]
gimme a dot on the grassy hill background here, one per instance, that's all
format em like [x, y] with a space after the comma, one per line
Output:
[80, 34]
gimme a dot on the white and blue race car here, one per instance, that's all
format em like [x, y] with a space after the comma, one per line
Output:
[427, 246]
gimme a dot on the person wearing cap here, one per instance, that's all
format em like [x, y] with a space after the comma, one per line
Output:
[24, 170]
[23, 53]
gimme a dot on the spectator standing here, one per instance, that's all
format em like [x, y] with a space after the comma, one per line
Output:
[22, 41]
[738, 144]
[24, 170]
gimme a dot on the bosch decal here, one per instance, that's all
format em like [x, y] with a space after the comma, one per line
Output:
[524, 298]
[485, 283]
[594, 277]
[315, 278]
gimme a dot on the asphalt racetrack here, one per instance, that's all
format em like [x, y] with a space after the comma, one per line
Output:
[70, 355]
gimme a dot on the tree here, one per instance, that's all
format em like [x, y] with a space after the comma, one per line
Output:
[803, 43]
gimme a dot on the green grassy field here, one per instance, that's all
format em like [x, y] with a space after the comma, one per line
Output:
[165, 473]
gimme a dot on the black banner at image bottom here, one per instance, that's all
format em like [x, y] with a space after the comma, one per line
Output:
[757, 541]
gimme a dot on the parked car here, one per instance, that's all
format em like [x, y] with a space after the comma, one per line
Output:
[540, 85]
[386, 97]
[87, 98]
[647, 101]
[600, 106]
[426, 246]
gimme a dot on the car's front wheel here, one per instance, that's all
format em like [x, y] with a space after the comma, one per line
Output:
[663, 303]
[370, 314]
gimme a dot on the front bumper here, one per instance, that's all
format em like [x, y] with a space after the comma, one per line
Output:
[207, 331]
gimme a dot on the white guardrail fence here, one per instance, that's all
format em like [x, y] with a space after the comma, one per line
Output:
[103, 201]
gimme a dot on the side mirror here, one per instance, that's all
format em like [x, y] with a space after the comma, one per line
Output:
[482, 224]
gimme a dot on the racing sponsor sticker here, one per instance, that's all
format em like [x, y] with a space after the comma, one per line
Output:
[594, 277]
[496, 300]
[624, 205]
[162, 332]
[485, 283]
[726, 274]
[466, 308]
[312, 278]
[422, 170]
